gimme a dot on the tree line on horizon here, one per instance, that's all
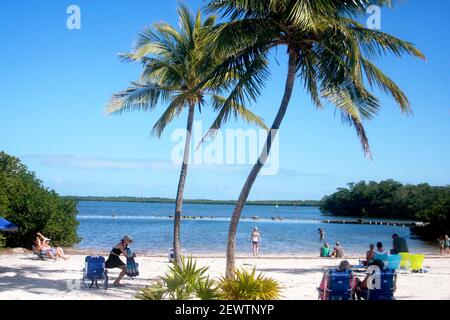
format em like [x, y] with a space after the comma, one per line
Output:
[299, 203]
[392, 199]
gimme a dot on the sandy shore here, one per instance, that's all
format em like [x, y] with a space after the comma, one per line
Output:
[24, 277]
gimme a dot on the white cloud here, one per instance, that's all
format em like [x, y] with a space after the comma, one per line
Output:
[88, 163]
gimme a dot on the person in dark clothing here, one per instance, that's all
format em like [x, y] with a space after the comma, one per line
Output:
[398, 244]
[114, 260]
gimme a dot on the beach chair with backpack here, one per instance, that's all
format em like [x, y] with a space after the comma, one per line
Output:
[383, 285]
[338, 285]
[94, 272]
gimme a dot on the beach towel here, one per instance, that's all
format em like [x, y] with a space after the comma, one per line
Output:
[132, 265]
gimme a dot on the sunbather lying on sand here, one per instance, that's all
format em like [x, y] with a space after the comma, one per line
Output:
[42, 244]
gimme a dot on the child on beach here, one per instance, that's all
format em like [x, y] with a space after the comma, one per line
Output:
[369, 255]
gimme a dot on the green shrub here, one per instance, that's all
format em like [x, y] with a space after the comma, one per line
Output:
[33, 208]
[181, 282]
[2, 241]
[249, 286]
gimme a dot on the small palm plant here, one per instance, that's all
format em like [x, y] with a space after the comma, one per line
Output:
[249, 286]
[182, 282]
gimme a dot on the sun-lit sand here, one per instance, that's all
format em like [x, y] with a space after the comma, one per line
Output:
[24, 277]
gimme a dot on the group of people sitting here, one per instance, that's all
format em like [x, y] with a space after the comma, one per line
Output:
[359, 288]
[398, 245]
[42, 247]
[338, 250]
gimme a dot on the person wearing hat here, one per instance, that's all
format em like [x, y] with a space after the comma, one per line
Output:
[42, 244]
[114, 260]
[256, 241]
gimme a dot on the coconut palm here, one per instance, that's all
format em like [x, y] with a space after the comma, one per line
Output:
[329, 51]
[174, 63]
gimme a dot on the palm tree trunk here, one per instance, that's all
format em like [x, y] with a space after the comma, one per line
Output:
[231, 245]
[181, 182]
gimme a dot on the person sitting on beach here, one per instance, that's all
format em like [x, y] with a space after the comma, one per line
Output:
[256, 241]
[369, 255]
[343, 266]
[114, 260]
[380, 253]
[338, 251]
[362, 286]
[42, 245]
[398, 244]
[325, 250]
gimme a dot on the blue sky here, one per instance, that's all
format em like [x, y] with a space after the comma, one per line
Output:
[55, 83]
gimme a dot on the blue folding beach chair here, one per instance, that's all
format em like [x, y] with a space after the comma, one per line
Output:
[394, 261]
[385, 285]
[339, 285]
[95, 271]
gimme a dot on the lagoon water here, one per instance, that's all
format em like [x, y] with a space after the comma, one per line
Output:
[103, 223]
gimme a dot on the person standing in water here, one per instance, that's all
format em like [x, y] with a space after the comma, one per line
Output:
[256, 241]
[321, 234]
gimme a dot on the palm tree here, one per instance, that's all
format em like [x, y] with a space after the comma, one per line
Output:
[328, 50]
[174, 63]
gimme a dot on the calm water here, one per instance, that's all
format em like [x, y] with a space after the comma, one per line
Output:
[103, 223]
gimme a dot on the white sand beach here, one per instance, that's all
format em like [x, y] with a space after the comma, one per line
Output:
[24, 277]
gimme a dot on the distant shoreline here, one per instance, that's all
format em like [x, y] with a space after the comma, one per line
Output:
[297, 203]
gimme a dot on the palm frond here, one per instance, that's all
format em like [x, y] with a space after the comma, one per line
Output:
[139, 97]
[172, 111]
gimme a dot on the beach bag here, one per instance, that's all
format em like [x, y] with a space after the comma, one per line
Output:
[132, 265]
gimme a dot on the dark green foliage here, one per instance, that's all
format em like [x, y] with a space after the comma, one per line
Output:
[391, 199]
[27, 203]
[438, 214]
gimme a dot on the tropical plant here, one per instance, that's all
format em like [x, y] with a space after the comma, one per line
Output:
[328, 50]
[26, 202]
[246, 285]
[2, 241]
[174, 63]
[182, 282]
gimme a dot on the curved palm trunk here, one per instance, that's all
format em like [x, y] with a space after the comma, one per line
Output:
[231, 245]
[180, 190]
